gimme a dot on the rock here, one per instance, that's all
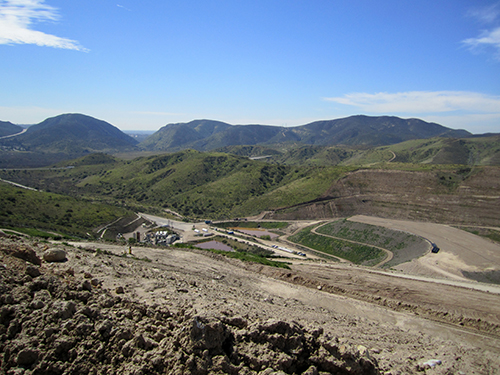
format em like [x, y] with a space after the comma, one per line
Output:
[32, 271]
[64, 309]
[311, 371]
[37, 304]
[362, 351]
[119, 290]
[86, 285]
[54, 255]
[27, 357]
[105, 328]
[24, 253]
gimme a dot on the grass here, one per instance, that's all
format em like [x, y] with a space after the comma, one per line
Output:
[38, 213]
[369, 234]
[491, 234]
[404, 246]
[253, 224]
[195, 184]
[358, 254]
[37, 233]
[239, 254]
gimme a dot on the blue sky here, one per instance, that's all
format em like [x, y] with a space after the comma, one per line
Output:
[143, 64]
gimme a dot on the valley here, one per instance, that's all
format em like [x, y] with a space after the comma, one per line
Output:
[327, 264]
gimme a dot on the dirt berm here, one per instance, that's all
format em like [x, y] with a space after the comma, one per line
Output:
[173, 311]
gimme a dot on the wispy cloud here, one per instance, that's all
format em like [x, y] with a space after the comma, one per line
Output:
[421, 102]
[121, 6]
[487, 14]
[488, 38]
[17, 17]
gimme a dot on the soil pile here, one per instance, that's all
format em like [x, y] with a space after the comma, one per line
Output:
[66, 323]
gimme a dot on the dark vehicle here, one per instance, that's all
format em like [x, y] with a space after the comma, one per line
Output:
[435, 249]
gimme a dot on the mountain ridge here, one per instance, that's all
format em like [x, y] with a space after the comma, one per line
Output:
[358, 130]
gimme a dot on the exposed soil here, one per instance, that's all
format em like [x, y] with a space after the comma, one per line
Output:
[178, 312]
[461, 198]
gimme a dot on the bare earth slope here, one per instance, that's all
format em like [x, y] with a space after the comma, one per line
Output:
[195, 312]
[460, 197]
[459, 250]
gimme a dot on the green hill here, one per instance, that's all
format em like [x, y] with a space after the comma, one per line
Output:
[207, 135]
[192, 183]
[8, 128]
[22, 208]
[73, 134]
[215, 185]
[468, 151]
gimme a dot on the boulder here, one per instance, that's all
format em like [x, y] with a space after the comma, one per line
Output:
[54, 255]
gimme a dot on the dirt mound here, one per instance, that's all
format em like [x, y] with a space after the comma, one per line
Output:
[21, 252]
[59, 323]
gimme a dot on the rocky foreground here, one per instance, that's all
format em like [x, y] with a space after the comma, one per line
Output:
[62, 323]
[62, 312]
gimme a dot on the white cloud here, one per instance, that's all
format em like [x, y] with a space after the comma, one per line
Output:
[121, 6]
[421, 102]
[16, 18]
[486, 14]
[488, 38]
[475, 123]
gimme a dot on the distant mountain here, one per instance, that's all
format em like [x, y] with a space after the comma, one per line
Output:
[8, 128]
[72, 134]
[206, 135]
[183, 135]
[372, 131]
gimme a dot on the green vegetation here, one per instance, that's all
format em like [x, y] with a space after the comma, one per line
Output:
[36, 213]
[359, 254]
[491, 234]
[370, 234]
[247, 257]
[241, 255]
[253, 224]
[194, 184]
[36, 233]
[404, 246]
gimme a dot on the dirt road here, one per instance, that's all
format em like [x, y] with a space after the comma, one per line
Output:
[459, 250]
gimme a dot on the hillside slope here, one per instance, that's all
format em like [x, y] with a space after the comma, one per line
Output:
[447, 194]
[72, 133]
[354, 131]
[217, 185]
[8, 128]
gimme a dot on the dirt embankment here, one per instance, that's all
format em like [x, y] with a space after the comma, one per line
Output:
[170, 311]
[447, 197]
[65, 323]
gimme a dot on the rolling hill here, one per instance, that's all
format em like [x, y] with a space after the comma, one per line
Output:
[366, 131]
[73, 134]
[8, 128]
[221, 186]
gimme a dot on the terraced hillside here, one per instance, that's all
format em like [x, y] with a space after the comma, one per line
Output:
[454, 195]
